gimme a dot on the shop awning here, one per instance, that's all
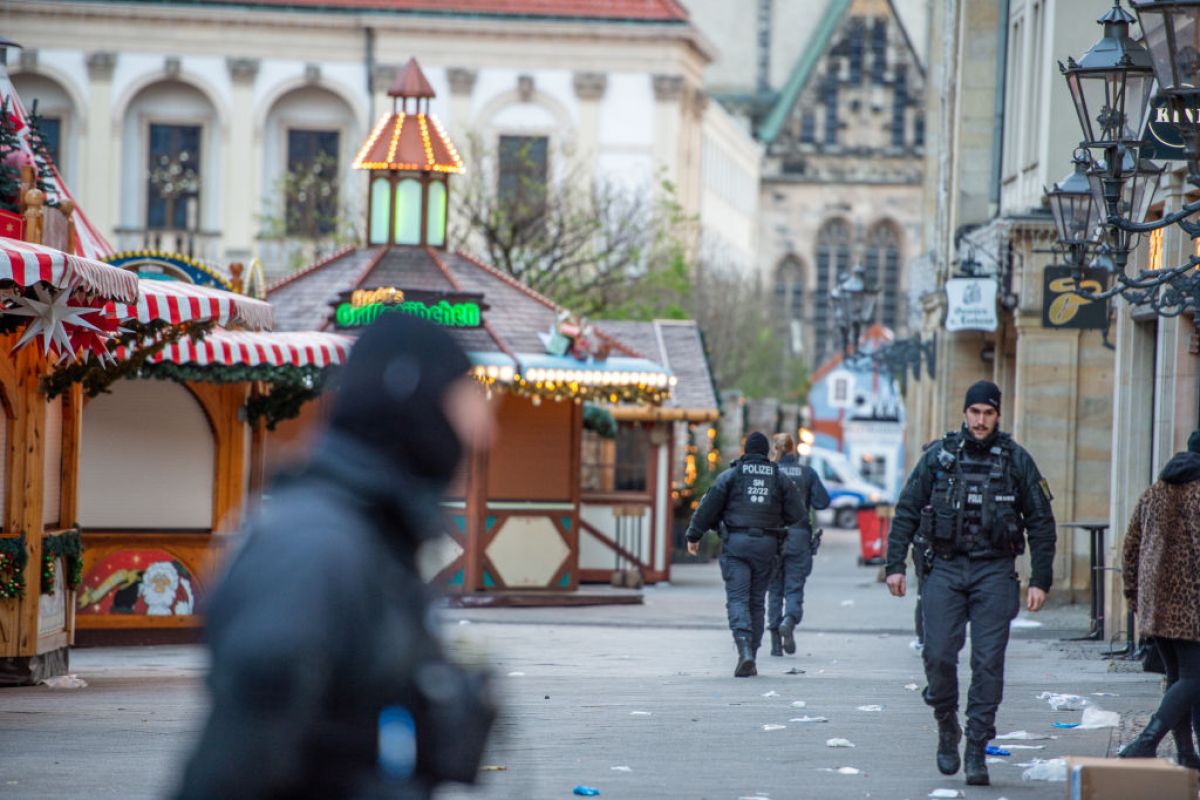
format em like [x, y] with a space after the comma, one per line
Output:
[253, 349]
[176, 302]
[26, 263]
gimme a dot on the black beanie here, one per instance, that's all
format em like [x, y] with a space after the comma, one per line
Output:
[1194, 442]
[757, 443]
[390, 392]
[984, 392]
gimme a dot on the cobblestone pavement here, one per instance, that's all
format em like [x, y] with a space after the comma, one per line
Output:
[637, 701]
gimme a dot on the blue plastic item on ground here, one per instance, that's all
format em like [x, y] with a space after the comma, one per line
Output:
[586, 791]
[1066, 724]
[992, 750]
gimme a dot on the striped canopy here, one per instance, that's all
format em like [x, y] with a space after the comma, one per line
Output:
[176, 302]
[274, 349]
[26, 263]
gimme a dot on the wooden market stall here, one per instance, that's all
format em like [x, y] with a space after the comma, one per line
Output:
[514, 520]
[632, 480]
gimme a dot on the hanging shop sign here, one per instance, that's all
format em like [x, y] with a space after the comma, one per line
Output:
[449, 309]
[1165, 129]
[1062, 308]
[971, 304]
[156, 265]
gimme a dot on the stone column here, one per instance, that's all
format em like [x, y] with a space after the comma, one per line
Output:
[668, 112]
[589, 88]
[100, 189]
[462, 83]
[241, 184]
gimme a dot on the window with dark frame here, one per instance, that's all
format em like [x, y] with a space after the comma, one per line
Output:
[524, 170]
[312, 193]
[615, 465]
[52, 136]
[855, 49]
[173, 177]
[878, 49]
[900, 106]
[829, 98]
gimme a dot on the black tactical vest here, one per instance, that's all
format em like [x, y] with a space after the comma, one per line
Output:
[755, 498]
[973, 500]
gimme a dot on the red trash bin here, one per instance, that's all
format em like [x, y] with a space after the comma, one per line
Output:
[872, 534]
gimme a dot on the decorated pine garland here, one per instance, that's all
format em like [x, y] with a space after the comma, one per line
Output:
[43, 175]
[68, 546]
[13, 559]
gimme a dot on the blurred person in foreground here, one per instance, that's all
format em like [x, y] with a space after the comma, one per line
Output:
[1162, 584]
[785, 591]
[328, 678]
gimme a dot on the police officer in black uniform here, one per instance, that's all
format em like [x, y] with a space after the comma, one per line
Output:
[753, 504]
[785, 592]
[969, 506]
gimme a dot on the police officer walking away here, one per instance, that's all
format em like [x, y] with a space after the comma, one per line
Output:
[785, 592]
[753, 504]
[968, 507]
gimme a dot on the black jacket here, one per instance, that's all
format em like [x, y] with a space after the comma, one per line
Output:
[321, 623]
[1032, 503]
[713, 505]
[808, 482]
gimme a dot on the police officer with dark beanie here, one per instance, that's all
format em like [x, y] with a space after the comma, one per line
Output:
[969, 506]
[753, 504]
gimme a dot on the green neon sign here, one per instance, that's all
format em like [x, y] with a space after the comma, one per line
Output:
[450, 315]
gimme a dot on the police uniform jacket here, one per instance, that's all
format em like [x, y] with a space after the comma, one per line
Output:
[752, 495]
[808, 482]
[1013, 505]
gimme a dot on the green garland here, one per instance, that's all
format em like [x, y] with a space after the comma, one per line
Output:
[68, 546]
[13, 558]
[141, 342]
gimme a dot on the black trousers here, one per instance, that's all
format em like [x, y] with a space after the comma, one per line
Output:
[986, 593]
[785, 592]
[746, 562]
[1182, 660]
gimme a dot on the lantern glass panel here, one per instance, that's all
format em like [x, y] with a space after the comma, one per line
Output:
[1172, 34]
[1110, 103]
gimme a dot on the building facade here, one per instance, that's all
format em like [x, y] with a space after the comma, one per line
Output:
[182, 129]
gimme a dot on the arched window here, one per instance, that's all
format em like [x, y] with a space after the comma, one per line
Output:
[435, 215]
[882, 262]
[789, 300]
[407, 211]
[833, 259]
[380, 189]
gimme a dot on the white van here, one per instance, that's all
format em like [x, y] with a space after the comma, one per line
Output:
[847, 491]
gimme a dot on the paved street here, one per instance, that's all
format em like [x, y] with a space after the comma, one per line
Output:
[644, 688]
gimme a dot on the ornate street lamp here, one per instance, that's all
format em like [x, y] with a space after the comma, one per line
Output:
[1111, 84]
[853, 307]
[1073, 205]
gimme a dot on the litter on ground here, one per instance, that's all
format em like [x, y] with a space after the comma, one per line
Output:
[769, 727]
[946, 793]
[622, 769]
[586, 791]
[798, 704]
[870, 708]
[839, 743]
[771, 693]
[912, 687]
[993, 750]
[809, 719]
[65, 682]
[1063, 702]
[1094, 717]
[640, 713]
[1023, 736]
[1054, 769]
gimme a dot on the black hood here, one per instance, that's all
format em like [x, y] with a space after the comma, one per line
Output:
[1182, 468]
[390, 396]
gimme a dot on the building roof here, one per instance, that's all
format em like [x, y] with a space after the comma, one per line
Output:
[514, 322]
[679, 346]
[617, 10]
[409, 142]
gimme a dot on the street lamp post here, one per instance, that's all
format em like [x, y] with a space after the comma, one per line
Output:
[853, 307]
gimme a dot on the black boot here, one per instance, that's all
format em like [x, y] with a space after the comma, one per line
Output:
[776, 645]
[1185, 747]
[745, 665]
[1146, 744]
[975, 762]
[787, 630]
[949, 735]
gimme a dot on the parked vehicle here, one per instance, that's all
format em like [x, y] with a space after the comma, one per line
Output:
[847, 491]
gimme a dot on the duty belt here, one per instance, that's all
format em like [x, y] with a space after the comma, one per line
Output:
[760, 531]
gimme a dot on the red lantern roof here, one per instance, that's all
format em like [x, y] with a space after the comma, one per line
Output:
[409, 140]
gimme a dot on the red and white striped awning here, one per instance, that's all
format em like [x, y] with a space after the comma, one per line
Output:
[26, 263]
[274, 349]
[176, 302]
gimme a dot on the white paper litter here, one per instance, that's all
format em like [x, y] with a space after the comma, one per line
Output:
[1095, 717]
[1024, 622]
[516, 674]
[849, 771]
[774, 727]
[771, 693]
[946, 793]
[639, 713]
[912, 687]
[847, 603]
[1023, 736]
[1053, 770]
[870, 708]
[1105, 694]
[66, 682]
[996, 760]
[1063, 702]
[464, 622]
[839, 743]
[1024, 747]
[809, 719]
[798, 704]
[622, 769]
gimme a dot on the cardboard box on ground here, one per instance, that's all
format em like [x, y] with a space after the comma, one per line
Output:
[1128, 778]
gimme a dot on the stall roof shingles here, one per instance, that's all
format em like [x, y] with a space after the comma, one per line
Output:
[677, 345]
[624, 10]
[303, 301]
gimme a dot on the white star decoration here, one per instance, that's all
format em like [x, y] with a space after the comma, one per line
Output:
[49, 315]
